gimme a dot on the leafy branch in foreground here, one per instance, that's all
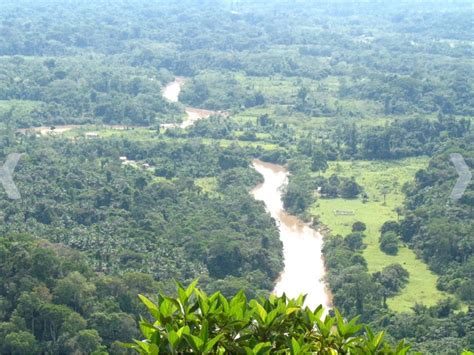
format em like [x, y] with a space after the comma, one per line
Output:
[196, 322]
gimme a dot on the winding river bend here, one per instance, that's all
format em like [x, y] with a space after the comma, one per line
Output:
[304, 267]
[302, 246]
[172, 89]
[171, 93]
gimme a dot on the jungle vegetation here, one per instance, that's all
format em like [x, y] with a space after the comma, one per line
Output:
[305, 84]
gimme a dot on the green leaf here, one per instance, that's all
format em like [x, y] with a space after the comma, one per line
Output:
[193, 341]
[211, 343]
[378, 340]
[173, 339]
[291, 310]
[271, 317]
[154, 349]
[262, 348]
[261, 311]
[204, 333]
[191, 288]
[204, 307]
[318, 312]
[182, 296]
[294, 346]
[143, 346]
[402, 349]
[167, 308]
[152, 308]
[147, 329]
[325, 327]
[238, 298]
[339, 321]
[183, 330]
[300, 300]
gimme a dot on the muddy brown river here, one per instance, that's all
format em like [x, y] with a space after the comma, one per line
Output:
[171, 93]
[171, 90]
[304, 267]
[302, 246]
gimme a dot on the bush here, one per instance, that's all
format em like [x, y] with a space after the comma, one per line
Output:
[390, 226]
[354, 241]
[389, 243]
[349, 189]
[248, 136]
[392, 277]
[196, 323]
[359, 227]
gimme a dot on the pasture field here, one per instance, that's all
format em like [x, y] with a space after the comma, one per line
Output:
[376, 176]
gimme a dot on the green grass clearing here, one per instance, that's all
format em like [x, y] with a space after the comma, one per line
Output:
[374, 176]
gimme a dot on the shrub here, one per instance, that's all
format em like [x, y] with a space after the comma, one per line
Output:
[392, 277]
[350, 189]
[389, 243]
[197, 323]
[354, 241]
[390, 226]
[359, 226]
